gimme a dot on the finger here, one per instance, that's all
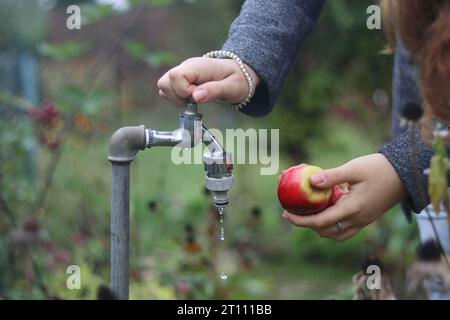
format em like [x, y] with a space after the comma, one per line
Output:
[202, 70]
[180, 84]
[341, 236]
[192, 72]
[346, 235]
[163, 83]
[226, 90]
[334, 231]
[174, 98]
[327, 178]
[166, 91]
[342, 210]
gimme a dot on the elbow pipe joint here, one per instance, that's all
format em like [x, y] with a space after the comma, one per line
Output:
[125, 144]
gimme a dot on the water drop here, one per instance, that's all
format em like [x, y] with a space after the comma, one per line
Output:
[222, 234]
[223, 276]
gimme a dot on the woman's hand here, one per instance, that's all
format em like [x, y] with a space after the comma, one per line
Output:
[206, 80]
[374, 188]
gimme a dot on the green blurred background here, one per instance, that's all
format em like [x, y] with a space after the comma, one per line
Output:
[55, 178]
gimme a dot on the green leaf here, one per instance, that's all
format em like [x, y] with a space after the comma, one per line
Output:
[62, 52]
[72, 96]
[438, 184]
[94, 12]
[160, 59]
[135, 49]
[438, 188]
[69, 97]
[139, 51]
[152, 3]
[96, 100]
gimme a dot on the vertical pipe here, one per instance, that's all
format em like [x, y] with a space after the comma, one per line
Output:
[123, 147]
[120, 228]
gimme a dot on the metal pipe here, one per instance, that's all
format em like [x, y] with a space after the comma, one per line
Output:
[120, 229]
[124, 145]
[163, 138]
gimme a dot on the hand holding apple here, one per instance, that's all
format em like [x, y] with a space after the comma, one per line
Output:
[374, 187]
[297, 194]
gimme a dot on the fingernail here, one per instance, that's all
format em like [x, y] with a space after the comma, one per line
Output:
[318, 178]
[284, 215]
[199, 95]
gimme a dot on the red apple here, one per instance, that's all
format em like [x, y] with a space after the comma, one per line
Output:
[339, 191]
[297, 195]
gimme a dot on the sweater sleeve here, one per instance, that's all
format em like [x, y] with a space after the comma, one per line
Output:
[399, 154]
[267, 36]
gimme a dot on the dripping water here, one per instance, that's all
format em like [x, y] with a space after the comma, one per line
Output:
[223, 275]
[222, 231]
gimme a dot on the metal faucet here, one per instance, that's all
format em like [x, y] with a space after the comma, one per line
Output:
[219, 169]
[124, 145]
[217, 162]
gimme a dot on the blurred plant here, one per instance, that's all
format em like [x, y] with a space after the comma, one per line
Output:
[138, 51]
[48, 119]
[67, 50]
[153, 3]
[440, 165]
[55, 122]
[191, 245]
[438, 184]
[429, 272]
[21, 28]
[362, 278]
[93, 12]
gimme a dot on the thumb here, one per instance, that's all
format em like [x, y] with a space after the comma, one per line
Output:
[208, 92]
[225, 90]
[331, 177]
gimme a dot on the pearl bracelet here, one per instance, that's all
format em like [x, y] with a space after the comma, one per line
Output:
[222, 54]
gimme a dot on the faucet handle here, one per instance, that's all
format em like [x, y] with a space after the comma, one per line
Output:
[191, 107]
[190, 125]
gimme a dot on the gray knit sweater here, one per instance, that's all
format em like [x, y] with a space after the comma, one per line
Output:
[268, 35]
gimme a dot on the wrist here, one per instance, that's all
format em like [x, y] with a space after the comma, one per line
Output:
[253, 75]
[223, 54]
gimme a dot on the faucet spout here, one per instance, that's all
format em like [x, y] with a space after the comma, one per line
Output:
[188, 134]
[219, 169]
[163, 138]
